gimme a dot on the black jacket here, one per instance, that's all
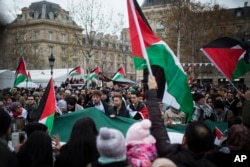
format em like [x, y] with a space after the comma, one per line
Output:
[123, 112]
[175, 152]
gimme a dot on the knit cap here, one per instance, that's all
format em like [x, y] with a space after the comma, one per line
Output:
[15, 105]
[139, 133]
[111, 145]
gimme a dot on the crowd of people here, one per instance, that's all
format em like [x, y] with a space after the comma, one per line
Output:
[146, 142]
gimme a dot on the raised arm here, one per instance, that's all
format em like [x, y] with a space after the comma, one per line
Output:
[158, 129]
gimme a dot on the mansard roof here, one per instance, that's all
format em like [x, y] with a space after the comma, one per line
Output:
[157, 2]
[46, 10]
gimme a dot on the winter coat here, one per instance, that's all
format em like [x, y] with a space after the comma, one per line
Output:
[175, 152]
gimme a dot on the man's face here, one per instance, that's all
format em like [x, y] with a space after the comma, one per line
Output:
[128, 95]
[201, 101]
[96, 99]
[134, 99]
[117, 102]
[71, 107]
[31, 100]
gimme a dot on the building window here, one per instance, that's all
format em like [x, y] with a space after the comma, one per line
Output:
[222, 30]
[25, 37]
[63, 37]
[63, 64]
[63, 52]
[50, 35]
[238, 28]
[36, 36]
[159, 27]
[24, 51]
[50, 50]
[238, 14]
[36, 51]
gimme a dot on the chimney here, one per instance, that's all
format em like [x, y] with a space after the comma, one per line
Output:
[43, 11]
[245, 4]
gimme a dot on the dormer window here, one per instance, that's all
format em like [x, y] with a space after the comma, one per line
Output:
[238, 14]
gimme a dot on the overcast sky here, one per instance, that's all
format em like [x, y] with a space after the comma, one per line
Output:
[118, 5]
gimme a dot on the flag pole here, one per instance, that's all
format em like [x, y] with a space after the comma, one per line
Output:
[234, 86]
[143, 48]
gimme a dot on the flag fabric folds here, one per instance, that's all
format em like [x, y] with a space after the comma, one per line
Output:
[47, 106]
[29, 79]
[103, 78]
[218, 136]
[76, 71]
[177, 91]
[21, 73]
[94, 73]
[228, 54]
[119, 74]
[189, 74]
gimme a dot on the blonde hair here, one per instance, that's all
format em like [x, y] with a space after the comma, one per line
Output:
[163, 162]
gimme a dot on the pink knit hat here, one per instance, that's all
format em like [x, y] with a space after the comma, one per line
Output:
[139, 133]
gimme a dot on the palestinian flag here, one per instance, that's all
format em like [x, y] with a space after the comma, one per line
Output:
[94, 73]
[29, 77]
[218, 136]
[189, 74]
[21, 73]
[119, 74]
[228, 54]
[103, 78]
[76, 71]
[47, 106]
[165, 66]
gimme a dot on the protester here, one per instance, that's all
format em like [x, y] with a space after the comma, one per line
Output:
[197, 140]
[246, 110]
[118, 109]
[72, 105]
[80, 150]
[36, 151]
[112, 148]
[97, 102]
[31, 108]
[141, 149]
[137, 109]
[222, 113]
[35, 126]
[202, 111]
[238, 143]
[7, 157]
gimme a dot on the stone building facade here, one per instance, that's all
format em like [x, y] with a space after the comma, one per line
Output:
[44, 28]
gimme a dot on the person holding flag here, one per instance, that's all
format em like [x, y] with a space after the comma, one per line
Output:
[152, 53]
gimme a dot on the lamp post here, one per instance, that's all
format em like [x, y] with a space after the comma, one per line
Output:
[51, 63]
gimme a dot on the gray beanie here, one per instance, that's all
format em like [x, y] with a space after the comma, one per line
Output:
[111, 144]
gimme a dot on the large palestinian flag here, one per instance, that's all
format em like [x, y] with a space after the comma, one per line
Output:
[167, 68]
[228, 54]
[21, 73]
[47, 106]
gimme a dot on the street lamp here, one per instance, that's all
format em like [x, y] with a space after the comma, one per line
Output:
[51, 63]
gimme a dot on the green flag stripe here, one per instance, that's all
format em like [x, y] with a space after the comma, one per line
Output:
[19, 79]
[176, 79]
[241, 68]
[117, 76]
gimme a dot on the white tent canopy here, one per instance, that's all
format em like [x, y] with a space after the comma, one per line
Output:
[39, 77]
[43, 76]
[6, 79]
